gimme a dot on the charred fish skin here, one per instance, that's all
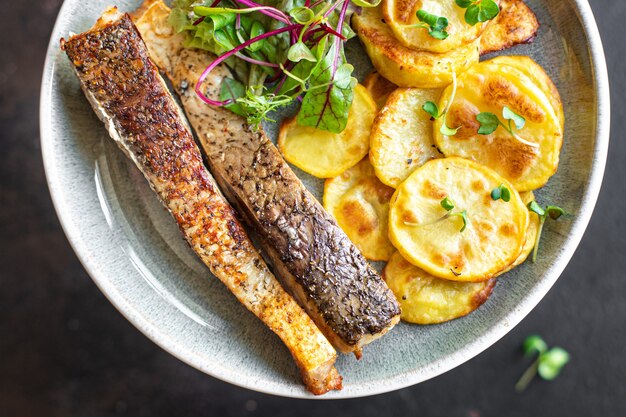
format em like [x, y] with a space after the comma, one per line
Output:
[129, 95]
[314, 258]
[322, 267]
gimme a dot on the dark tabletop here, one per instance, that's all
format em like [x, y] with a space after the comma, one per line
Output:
[65, 351]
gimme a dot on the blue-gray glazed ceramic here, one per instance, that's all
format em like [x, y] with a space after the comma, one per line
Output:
[133, 250]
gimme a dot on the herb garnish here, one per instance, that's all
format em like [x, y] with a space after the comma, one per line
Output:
[245, 103]
[548, 364]
[478, 11]
[554, 212]
[279, 51]
[489, 123]
[436, 25]
[501, 192]
[448, 205]
[432, 109]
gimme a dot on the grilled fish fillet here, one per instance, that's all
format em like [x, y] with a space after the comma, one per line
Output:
[315, 259]
[130, 97]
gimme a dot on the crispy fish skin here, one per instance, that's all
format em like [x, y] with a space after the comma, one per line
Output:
[129, 95]
[328, 275]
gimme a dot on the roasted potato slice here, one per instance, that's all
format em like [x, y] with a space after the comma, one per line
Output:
[360, 203]
[402, 135]
[488, 87]
[407, 67]
[531, 233]
[516, 24]
[425, 299]
[325, 154]
[439, 240]
[400, 14]
[538, 75]
[379, 87]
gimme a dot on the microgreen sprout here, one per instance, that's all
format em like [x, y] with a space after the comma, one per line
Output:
[534, 344]
[547, 365]
[490, 122]
[553, 212]
[463, 216]
[299, 51]
[448, 205]
[501, 192]
[478, 11]
[302, 15]
[363, 3]
[260, 106]
[433, 110]
[436, 25]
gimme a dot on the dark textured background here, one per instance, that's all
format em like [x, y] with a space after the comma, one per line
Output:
[65, 351]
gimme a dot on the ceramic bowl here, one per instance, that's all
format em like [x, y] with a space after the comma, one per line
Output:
[135, 254]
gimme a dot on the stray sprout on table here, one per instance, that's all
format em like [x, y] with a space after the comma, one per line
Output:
[548, 364]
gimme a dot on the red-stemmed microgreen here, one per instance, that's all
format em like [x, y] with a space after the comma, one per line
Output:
[291, 50]
[206, 11]
[269, 11]
[331, 87]
[364, 3]
[227, 55]
[302, 15]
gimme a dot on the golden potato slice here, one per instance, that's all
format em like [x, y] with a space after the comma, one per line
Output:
[402, 135]
[360, 203]
[425, 299]
[538, 75]
[430, 237]
[531, 233]
[379, 87]
[407, 67]
[516, 24]
[325, 154]
[399, 14]
[488, 87]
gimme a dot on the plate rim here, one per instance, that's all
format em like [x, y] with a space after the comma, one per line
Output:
[399, 381]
